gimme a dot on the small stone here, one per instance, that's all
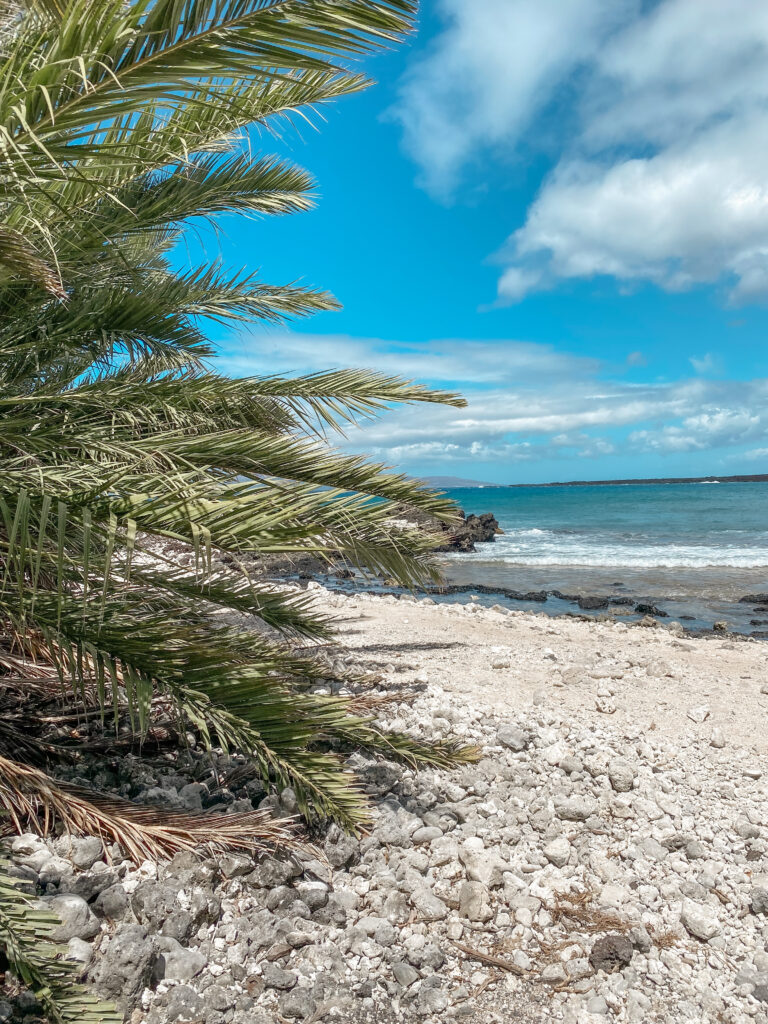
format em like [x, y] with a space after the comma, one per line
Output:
[75, 916]
[606, 705]
[699, 714]
[84, 852]
[699, 921]
[621, 776]
[611, 953]
[79, 951]
[482, 865]
[513, 738]
[499, 663]
[112, 903]
[125, 969]
[427, 834]
[297, 1004]
[276, 977]
[554, 974]
[432, 998]
[558, 851]
[428, 906]
[404, 974]
[180, 964]
[758, 899]
[597, 1005]
[717, 739]
[574, 808]
[340, 848]
[474, 902]
[184, 1004]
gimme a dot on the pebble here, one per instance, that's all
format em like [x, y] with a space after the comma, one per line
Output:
[699, 920]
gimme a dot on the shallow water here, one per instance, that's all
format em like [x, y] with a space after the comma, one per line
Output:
[691, 549]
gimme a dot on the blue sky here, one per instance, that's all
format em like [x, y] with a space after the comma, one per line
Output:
[562, 211]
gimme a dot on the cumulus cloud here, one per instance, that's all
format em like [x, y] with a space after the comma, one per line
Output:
[488, 74]
[526, 402]
[662, 113]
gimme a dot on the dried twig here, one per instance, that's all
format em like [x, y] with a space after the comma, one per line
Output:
[488, 958]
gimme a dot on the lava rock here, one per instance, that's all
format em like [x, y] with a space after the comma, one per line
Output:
[611, 953]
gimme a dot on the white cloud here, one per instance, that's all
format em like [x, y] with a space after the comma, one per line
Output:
[662, 127]
[692, 214]
[704, 364]
[447, 361]
[492, 69]
[527, 403]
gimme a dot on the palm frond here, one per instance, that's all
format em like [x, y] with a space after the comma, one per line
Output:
[25, 931]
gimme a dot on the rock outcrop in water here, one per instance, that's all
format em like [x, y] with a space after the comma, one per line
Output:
[471, 530]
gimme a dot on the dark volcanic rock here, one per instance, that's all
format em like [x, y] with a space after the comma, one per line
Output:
[650, 609]
[754, 599]
[472, 530]
[588, 603]
[611, 953]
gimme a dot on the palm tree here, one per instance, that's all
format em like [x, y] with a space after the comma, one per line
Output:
[122, 449]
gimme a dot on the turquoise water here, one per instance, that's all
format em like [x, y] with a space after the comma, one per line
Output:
[628, 525]
[693, 549]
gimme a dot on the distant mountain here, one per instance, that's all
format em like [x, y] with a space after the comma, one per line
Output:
[457, 481]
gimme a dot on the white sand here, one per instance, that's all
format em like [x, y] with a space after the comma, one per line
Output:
[654, 677]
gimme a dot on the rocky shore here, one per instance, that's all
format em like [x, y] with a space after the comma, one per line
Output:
[605, 860]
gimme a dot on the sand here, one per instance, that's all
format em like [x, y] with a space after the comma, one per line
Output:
[629, 677]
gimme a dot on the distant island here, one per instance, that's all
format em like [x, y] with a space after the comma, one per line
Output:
[753, 479]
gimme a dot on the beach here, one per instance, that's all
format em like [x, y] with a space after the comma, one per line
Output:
[602, 858]
[643, 678]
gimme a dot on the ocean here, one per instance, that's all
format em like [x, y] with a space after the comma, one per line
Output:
[690, 549]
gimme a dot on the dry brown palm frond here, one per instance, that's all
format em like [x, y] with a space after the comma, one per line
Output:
[362, 703]
[32, 799]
